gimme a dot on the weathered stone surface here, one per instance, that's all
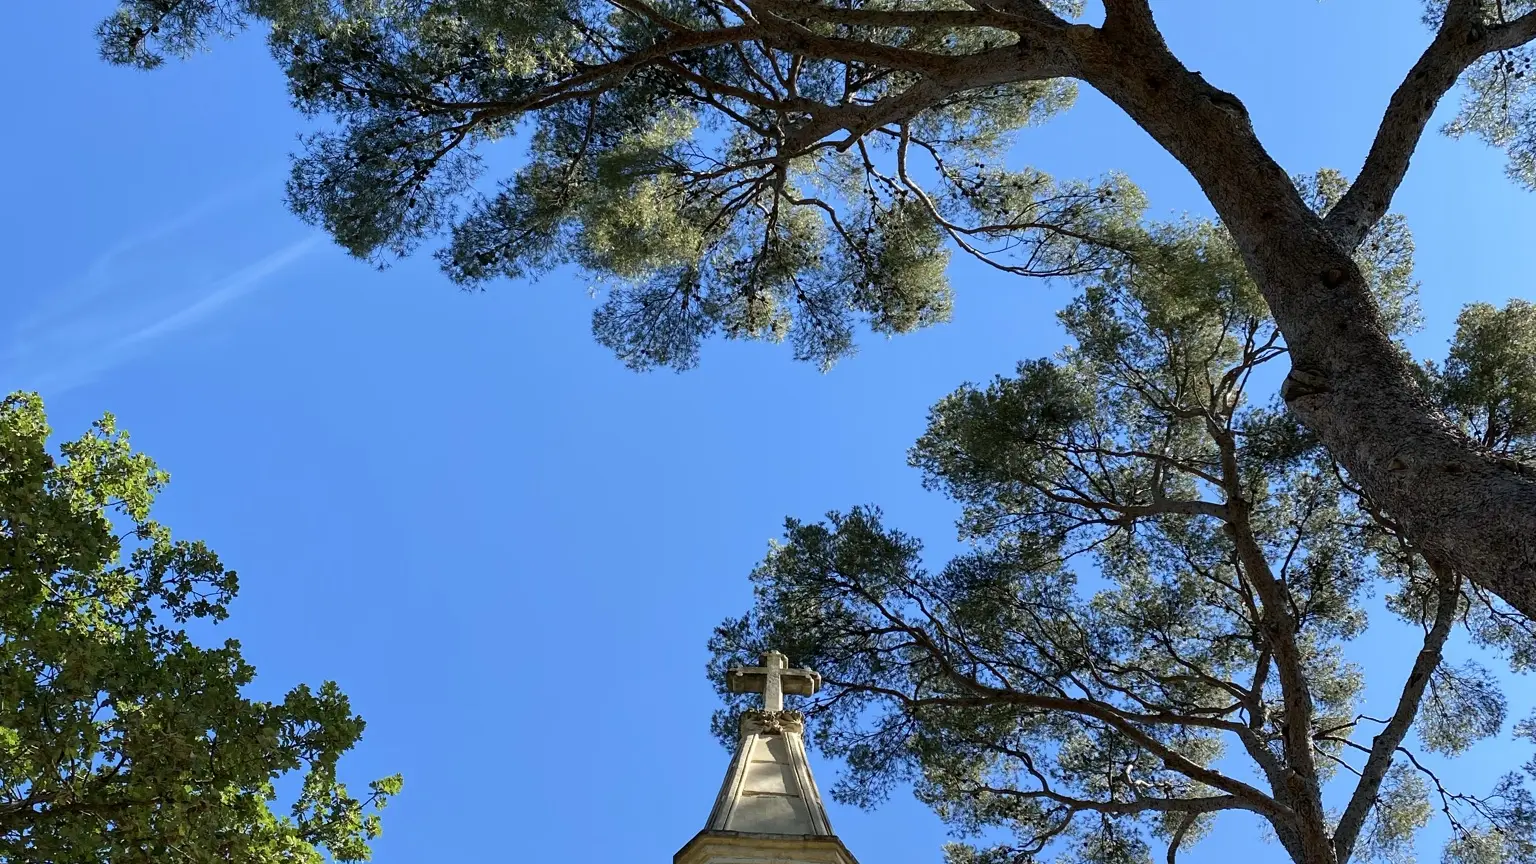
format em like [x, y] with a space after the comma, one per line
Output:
[773, 679]
[724, 847]
[769, 788]
[768, 810]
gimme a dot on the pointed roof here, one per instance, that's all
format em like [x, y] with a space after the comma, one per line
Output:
[769, 788]
[768, 808]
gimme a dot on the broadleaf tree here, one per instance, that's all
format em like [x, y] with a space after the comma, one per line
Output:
[788, 169]
[1149, 624]
[121, 738]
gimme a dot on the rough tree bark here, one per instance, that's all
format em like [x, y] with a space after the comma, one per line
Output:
[1348, 382]
[1456, 501]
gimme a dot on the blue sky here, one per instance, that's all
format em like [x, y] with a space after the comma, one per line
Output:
[508, 549]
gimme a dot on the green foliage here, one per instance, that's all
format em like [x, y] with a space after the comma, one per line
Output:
[706, 194]
[1401, 810]
[1164, 570]
[1499, 105]
[711, 178]
[1464, 706]
[120, 738]
[1385, 256]
[1482, 847]
[143, 34]
[1163, 564]
[1488, 383]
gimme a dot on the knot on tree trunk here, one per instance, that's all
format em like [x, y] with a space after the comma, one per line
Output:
[1302, 382]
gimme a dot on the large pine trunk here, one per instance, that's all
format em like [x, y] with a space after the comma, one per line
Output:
[1460, 505]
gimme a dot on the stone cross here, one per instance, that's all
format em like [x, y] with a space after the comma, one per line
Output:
[773, 679]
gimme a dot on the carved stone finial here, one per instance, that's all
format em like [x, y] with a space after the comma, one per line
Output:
[772, 722]
[773, 679]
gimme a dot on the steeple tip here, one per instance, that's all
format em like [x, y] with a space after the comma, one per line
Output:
[769, 802]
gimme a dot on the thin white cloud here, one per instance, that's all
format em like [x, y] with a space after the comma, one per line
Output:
[231, 287]
[111, 316]
[58, 308]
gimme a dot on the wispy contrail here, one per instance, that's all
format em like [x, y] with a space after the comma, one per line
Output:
[74, 342]
[57, 307]
[231, 287]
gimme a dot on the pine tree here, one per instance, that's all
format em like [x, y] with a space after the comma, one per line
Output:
[1164, 571]
[787, 169]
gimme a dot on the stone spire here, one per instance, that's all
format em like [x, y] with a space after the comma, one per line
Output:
[768, 808]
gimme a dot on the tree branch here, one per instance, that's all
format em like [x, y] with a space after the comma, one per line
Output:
[1123, 722]
[1349, 382]
[1460, 41]
[1178, 837]
[1192, 806]
[1391, 737]
[922, 19]
[1132, 15]
[651, 14]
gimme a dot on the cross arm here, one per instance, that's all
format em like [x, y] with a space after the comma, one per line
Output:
[754, 679]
